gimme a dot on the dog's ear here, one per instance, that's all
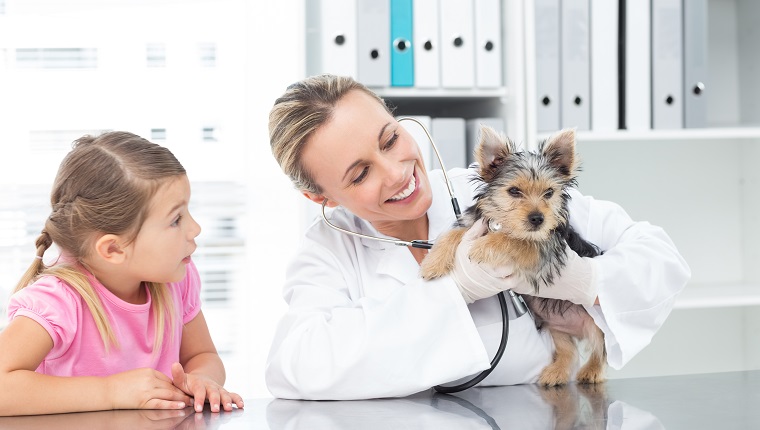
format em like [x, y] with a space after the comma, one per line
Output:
[493, 150]
[559, 149]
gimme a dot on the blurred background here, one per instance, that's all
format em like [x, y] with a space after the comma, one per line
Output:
[198, 77]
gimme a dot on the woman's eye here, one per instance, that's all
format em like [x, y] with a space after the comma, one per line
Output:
[361, 176]
[514, 192]
[549, 193]
[391, 141]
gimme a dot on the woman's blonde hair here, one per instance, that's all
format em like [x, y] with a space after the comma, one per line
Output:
[297, 114]
[103, 186]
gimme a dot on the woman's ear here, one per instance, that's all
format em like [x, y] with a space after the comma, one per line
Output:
[318, 198]
[108, 248]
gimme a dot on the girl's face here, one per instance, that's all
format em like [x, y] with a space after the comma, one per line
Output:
[167, 238]
[364, 160]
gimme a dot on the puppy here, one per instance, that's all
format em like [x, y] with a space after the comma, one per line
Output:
[523, 199]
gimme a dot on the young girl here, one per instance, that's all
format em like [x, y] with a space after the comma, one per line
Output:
[115, 322]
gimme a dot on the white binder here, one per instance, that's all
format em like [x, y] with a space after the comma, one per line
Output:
[547, 19]
[695, 63]
[418, 134]
[488, 44]
[449, 135]
[473, 126]
[604, 65]
[667, 64]
[373, 32]
[575, 77]
[427, 46]
[331, 44]
[457, 43]
[637, 105]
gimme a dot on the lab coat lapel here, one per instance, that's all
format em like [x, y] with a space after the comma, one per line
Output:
[398, 263]
[392, 260]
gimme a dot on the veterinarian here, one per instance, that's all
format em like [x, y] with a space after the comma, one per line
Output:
[362, 323]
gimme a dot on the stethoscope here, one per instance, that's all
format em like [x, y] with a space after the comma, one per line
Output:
[517, 301]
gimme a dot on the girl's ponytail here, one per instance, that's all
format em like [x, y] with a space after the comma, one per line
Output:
[42, 243]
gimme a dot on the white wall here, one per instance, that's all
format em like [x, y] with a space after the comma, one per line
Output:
[275, 46]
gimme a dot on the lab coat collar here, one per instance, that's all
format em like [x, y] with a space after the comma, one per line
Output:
[391, 260]
[398, 263]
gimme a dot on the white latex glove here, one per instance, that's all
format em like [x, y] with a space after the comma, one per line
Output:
[576, 282]
[476, 281]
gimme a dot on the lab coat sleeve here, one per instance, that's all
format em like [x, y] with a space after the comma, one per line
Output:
[333, 344]
[638, 276]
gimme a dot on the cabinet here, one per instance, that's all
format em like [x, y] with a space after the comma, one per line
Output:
[701, 185]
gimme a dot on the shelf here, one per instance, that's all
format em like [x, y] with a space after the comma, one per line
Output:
[718, 296]
[728, 133]
[441, 93]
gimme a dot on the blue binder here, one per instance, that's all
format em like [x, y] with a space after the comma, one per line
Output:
[402, 56]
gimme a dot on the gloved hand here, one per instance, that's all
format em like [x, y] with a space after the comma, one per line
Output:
[576, 282]
[478, 281]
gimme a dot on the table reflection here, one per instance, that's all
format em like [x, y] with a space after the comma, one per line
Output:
[185, 419]
[513, 407]
[708, 401]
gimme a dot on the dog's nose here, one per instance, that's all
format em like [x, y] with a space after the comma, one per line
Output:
[536, 219]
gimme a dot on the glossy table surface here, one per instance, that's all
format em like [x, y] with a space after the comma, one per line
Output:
[708, 401]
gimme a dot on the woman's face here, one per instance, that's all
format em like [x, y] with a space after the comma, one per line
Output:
[364, 160]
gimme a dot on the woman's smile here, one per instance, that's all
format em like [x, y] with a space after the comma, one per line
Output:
[407, 193]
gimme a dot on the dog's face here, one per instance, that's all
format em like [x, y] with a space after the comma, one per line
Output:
[525, 192]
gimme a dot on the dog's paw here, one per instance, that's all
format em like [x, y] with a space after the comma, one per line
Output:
[433, 268]
[554, 375]
[429, 273]
[590, 374]
[479, 254]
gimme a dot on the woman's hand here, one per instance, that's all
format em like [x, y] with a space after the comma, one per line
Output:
[478, 281]
[145, 389]
[575, 283]
[203, 388]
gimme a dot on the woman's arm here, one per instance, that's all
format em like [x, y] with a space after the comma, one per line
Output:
[361, 324]
[24, 344]
[200, 372]
[638, 277]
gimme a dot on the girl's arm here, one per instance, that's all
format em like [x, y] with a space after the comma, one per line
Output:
[200, 372]
[24, 344]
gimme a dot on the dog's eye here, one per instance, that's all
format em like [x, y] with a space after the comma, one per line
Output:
[514, 192]
[548, 193]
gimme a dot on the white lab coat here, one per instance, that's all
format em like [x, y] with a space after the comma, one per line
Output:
[362, 324]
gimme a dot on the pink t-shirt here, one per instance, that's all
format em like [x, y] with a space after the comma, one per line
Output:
[77, 346]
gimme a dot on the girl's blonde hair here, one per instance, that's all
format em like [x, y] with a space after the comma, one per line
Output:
[297, 114]
[103, 186]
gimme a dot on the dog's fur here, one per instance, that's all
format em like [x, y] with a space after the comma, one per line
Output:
[525, 194]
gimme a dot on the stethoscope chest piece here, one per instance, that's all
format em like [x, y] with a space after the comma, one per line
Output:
[493, 226]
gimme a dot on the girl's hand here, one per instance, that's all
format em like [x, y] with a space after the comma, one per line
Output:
[145, 389]
[203, 388]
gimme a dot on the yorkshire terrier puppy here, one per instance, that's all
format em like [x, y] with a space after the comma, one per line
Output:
[523, 200]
